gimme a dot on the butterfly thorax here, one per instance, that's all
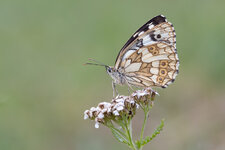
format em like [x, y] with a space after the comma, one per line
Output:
[116, 74]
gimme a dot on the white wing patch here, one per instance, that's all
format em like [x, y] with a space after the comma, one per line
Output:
[154, 78]
[170, 74]
[147, 58]
[155, 63]
[127, 54]
[148, 41]
[144, 51]
[154, 70]
[133, 67]
[127, 63]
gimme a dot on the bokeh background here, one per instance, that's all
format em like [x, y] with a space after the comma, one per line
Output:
[44, 88]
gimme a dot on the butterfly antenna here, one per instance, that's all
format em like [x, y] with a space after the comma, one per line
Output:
[97, 63]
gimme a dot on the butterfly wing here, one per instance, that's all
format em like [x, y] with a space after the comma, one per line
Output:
[149, 58]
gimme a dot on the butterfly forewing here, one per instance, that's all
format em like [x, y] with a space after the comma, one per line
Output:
[149, 57]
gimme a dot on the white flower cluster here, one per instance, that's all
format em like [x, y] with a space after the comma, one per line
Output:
[144, 96]
[120, 106]
[106, 111]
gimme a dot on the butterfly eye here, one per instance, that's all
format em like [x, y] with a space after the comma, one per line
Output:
[109, 70]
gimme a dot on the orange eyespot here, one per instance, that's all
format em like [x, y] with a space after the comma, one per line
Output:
[160, 79]
[151, 48]
[155, 52]
[163, 63]
[162, 72]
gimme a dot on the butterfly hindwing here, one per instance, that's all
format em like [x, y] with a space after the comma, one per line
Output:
[149, 58]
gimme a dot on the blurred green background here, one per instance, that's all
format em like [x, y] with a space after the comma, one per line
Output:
[44, 88]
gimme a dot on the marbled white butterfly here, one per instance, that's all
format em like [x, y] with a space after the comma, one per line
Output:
[149, 58]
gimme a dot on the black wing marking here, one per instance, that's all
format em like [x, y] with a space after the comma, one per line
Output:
[155, 21]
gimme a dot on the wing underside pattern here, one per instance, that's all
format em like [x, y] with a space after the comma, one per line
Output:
[149, 58]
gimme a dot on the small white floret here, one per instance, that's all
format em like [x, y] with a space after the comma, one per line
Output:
[109, 110]
[132, 102]
[116, 113]
[92, 109]
[137, 106]
[100, 115]
[96, 125]
[86, 114]
[104, 110]
[119, 108]
[119, 100]
[141, 93]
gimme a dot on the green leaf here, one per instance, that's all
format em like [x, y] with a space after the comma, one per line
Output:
[156, 132]
[119, 137]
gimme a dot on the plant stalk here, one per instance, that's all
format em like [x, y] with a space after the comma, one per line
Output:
[146, 111]
[129, 134]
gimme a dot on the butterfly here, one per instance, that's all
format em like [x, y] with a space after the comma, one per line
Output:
[148, 59]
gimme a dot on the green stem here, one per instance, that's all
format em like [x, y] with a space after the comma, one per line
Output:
[146, 111]
[128, 130]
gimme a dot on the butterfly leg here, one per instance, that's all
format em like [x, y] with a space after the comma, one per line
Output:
[114, 89]
[129, 87]
[129, 90]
